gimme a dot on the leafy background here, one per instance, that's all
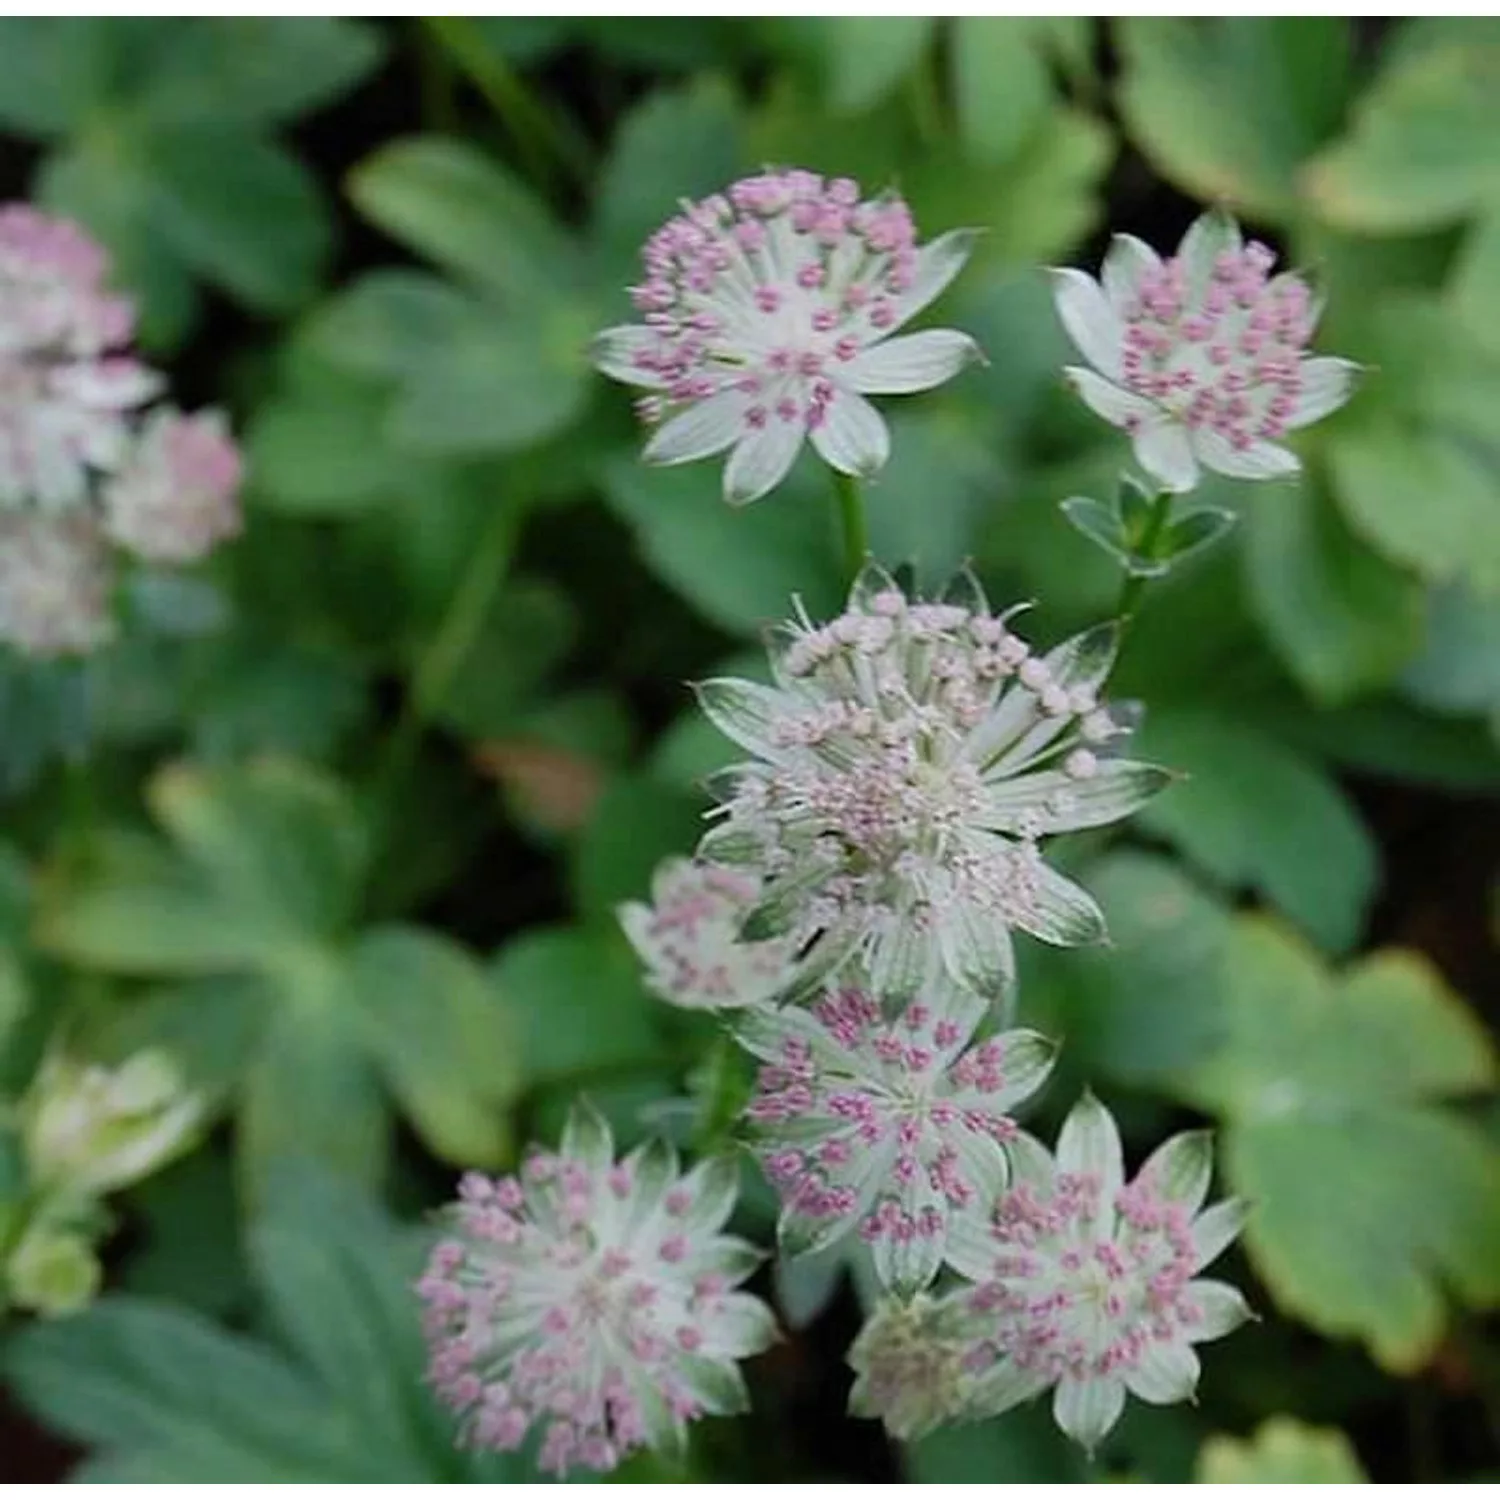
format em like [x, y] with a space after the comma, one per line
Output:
[364, 792]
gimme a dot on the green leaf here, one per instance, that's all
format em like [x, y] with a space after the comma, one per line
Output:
[1474, 291]
[865, 57]
[274, 838]
[258, 69]
[447, 201]
[1458, 669]
[136, 1374]
[1001, 89]
[1023, 1445]
[1139, 1009]
[1230, 108]
[310, 1092]
[582, 1008]
[1416, 465]
[1369, 1195]
[377, 325]
[674, 144]
[636, 822]
[443, 1038]
[1424, 498]
[166, 1397]
[53, 70]
[738, 567]
[499, 381]
[1254, 812]
[240, 210]
[1281, 1451]
[1343, 619]
[1424, 144]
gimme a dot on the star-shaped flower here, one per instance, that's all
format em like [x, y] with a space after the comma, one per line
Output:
[593, 1300]
[1088, 1285]
[1201, 358]
[905, 769]
[769, 311]
[894, 1125]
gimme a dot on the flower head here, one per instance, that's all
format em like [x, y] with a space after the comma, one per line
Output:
[90, 1129]
[913, 1365]
[768, 311]
[1088, 1285]
[176, 495]
[688, 938]
[593, 1300]
[67, 392]
[906, 766]
[1201, 358]
[54, 584]
[895, 1125]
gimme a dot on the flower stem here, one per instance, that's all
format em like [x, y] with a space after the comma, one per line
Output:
[542, 136]
[852, 521]
[449, 645]
[1151, 535]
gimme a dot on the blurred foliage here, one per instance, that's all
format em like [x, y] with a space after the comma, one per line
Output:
[342, 820]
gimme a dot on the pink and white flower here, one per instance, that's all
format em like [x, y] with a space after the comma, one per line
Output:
[1090, 1286]
[895, 1125]
[688, 938]
[68, 391]
[1202, 357]
[904, 770]
[768, 317]
[592, 1300]
[55, 583]
[176, 496]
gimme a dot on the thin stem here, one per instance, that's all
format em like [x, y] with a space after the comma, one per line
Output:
[450, 644]
[851, 505]
[541, 135]
[1135, 583]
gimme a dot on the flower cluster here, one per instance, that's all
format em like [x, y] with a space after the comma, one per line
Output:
[895, 1125]
[852, 906]
[768, 311]
[592, 1300]
[82, 462]
[688, 938]
[906, 767]
[1202, 357]
[1077, 1282]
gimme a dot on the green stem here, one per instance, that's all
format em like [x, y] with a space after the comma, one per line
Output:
[851, 505]
[1135, 583]
[541, 135]
[450, 644]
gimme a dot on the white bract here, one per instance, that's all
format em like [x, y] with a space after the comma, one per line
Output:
[592, 1300]
[90, 1129]
[896, 1125]
[1202, 357]
[906, 767]
[688, 938]
[1086, 1284]
[768, 316]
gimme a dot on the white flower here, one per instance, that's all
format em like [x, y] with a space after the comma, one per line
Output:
[592, 1299]
[90, 1129]
[1200, 358]
[175, 497]
[905, 768]
[768, 314]
[1088, 1285]
[66, 394]
[688, 938]
[54, 584]
[914, 1365]
[895, 1125]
